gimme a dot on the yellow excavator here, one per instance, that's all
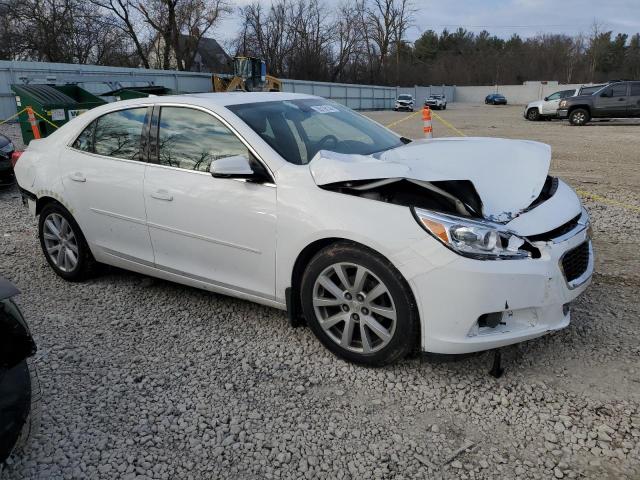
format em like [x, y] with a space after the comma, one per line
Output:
[249, 75]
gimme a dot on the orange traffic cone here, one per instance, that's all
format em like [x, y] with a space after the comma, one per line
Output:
[34, 123]
[426, 118]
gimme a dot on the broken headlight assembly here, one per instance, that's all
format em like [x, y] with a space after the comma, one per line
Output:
[473, 238]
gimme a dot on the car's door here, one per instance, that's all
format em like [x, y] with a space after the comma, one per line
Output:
[633, 104]
[550, 105]
[217, 230]
[611, 102]
[103, 173]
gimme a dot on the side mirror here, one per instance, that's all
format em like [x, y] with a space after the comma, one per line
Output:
[546, 99]
[605, 94]
[236, 166]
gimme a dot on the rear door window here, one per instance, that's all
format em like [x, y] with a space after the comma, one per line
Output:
[635, 89]
[619, 90]
[118, 134]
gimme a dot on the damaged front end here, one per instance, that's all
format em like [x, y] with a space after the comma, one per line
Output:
[451, 211]
[481, 198]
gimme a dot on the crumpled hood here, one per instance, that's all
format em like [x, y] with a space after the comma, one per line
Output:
[535, 103]
[507, 174]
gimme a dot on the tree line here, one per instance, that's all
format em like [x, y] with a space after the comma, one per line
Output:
[356, 41]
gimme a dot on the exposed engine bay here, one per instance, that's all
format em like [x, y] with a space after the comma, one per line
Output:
[455, 197]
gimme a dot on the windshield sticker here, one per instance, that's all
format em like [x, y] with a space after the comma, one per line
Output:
[324, 108]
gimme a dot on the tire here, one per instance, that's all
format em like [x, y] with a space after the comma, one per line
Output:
[579, 117]
[444, 107]
[54, 217]
[533, 114]
[392, 312]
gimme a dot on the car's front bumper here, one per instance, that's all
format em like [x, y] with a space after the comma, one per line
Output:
[562, 113]
[531, 296]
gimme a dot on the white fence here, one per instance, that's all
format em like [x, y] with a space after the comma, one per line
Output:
[421, 93]
[515, 94]
[358, 97]
[95, 79]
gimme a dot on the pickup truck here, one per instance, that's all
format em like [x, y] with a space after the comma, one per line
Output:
[615, 100]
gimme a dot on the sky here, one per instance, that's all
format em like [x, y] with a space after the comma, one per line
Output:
[500, 17]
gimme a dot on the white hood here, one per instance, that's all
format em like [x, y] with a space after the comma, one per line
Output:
[537, 104]
[507, 174]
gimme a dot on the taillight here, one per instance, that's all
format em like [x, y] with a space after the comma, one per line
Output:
[14, 158]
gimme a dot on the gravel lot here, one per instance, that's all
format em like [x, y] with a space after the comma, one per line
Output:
[146, 379]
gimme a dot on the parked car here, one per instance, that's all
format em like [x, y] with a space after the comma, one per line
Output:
[495, 99]
[436, 101]
[547, 107]
[380, 244]
[17, 402]
[614, 100]
[404, 102]
[6, 168]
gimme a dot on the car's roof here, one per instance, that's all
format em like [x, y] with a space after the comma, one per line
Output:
[222, 99]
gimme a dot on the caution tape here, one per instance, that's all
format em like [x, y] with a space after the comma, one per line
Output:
[34, 112]
[447, 124]
[403, 119]
[46, 120]
[12, 116]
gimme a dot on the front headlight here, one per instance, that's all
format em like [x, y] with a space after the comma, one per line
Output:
[563, 103]
[7, 148]
[472, 238]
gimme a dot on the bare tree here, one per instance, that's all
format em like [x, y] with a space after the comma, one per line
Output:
[122, 15]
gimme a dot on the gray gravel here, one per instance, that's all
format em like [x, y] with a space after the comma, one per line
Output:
[142, 378]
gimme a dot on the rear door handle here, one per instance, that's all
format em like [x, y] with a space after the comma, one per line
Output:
[162, 195]
[78, 177]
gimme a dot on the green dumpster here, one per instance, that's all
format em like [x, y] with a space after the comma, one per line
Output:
[127, 93]
[56, 103]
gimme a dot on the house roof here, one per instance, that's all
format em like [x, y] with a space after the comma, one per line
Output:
[213, 56]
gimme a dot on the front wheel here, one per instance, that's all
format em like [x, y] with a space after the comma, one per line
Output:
[359, 306]
[579, 117]
[533, 114]
[63, 244]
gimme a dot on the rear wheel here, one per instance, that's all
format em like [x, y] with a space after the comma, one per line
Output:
[533, 114]
[63, 244]
[579, 117]
[359, 306]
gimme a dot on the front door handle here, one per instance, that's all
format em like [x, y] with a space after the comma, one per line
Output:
[162, 195]
[78, 177]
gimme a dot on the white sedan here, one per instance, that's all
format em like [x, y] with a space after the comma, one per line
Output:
[381, 244]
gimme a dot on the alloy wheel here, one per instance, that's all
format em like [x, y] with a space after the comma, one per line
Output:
[354, 308]
[60, 242]
[578, 118]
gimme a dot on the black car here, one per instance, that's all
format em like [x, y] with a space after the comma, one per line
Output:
[495, 99]
[615, 100]
[6, 168]
[16, 375]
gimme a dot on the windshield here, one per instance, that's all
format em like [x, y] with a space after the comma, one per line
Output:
[298, 129]
[404, 97]
[434, 96]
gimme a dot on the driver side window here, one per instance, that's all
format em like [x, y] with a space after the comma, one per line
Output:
[555, 96]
